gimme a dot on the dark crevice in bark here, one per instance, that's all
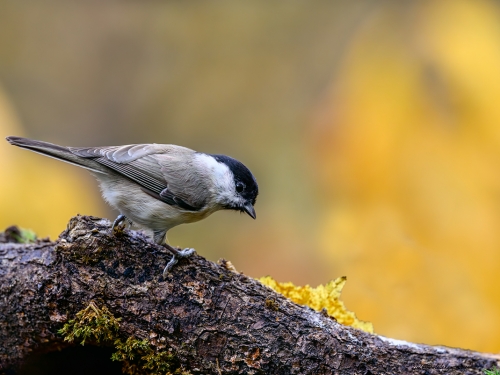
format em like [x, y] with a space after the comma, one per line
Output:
[74, 360]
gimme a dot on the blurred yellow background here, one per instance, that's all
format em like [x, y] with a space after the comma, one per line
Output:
[373, 128]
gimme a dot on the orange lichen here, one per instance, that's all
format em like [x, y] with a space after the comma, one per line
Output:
[319, 298]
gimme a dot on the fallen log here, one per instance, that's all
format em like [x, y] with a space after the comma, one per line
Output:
[204, 318]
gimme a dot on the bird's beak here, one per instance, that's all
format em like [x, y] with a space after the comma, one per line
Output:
[248, 208]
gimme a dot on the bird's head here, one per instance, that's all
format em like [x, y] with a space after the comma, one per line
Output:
[238, 187]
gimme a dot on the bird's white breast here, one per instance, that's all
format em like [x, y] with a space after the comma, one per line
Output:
[142, 209]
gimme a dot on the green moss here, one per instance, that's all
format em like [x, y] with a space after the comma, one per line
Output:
[20, 235]
[139, 357]
[92, 324]
[27, 236]
[495, 371]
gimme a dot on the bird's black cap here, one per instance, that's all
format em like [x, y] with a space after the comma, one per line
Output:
[241, 175]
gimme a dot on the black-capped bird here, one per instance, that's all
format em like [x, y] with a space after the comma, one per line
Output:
[157, 187]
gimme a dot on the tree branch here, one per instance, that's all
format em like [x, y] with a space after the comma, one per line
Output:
[214, 320]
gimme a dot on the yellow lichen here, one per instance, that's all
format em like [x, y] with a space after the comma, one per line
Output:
[319, 298]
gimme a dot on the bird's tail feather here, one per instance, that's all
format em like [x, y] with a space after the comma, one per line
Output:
[57, 152]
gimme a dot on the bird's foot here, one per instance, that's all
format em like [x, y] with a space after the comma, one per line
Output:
[120, 223]
[177, 254]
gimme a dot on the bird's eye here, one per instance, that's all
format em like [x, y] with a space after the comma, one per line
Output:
[240, 186]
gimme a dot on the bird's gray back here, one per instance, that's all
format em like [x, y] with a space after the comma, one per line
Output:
[128, 153]
[168, 172]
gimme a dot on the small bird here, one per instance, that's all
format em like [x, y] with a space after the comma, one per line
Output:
[157, 187]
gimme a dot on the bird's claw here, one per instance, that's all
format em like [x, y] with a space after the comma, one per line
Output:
[177, 254]
[119, 224]
[186, 253]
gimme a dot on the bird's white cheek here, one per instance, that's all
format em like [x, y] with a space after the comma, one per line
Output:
[222, 178]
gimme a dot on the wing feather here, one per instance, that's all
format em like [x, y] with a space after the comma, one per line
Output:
[163, 171]
[154, 183]
[127, 153]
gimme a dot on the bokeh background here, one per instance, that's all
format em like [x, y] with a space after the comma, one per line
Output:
[373, 128]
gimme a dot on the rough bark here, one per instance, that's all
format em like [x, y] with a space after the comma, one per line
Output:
[215, 320]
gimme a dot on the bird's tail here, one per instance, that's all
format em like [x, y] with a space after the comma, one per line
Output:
[57, 152]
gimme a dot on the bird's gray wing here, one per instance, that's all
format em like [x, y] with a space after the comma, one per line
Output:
[149, 165]
[186, 181]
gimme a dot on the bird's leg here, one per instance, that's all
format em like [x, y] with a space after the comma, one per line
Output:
[160, 237]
